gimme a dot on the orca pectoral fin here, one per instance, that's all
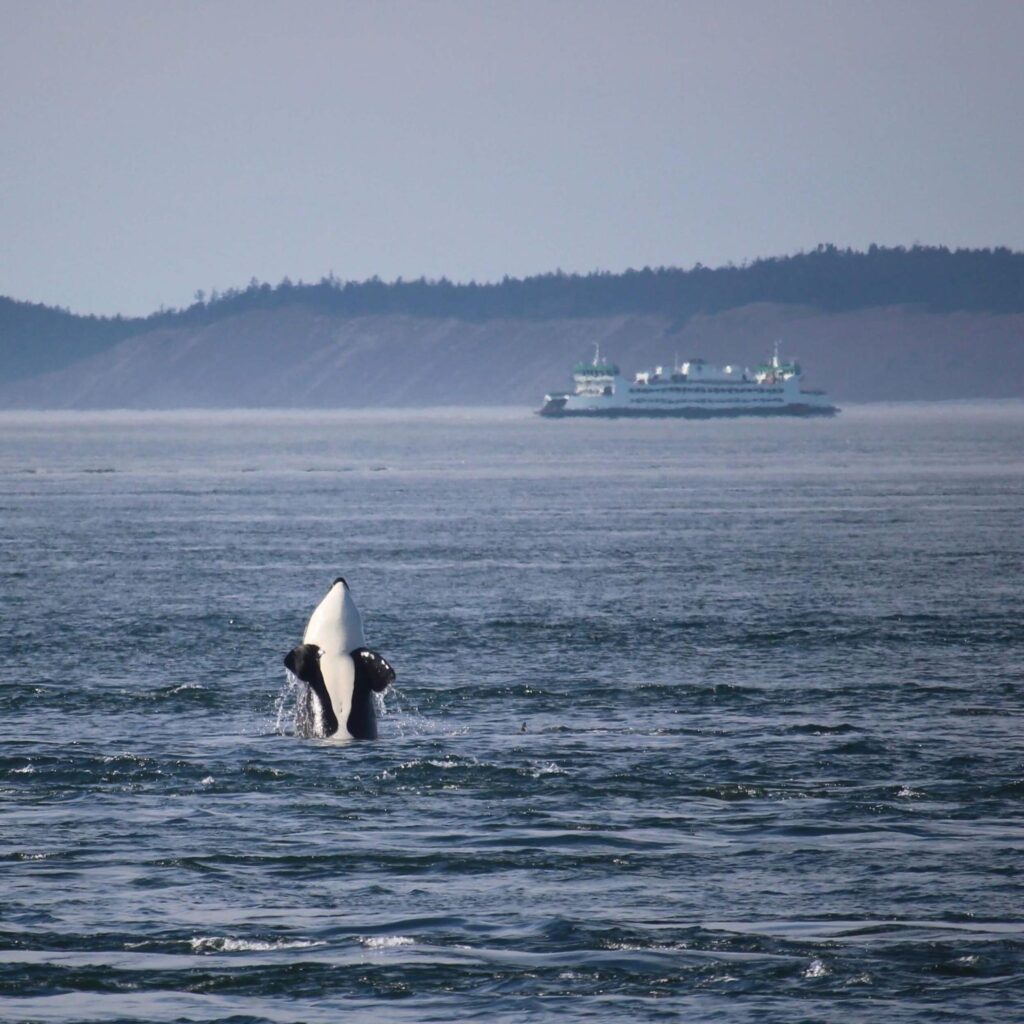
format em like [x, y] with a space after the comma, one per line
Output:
[372, 670]
[304, 661]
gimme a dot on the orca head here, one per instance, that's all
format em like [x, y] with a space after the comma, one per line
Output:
[336, 626]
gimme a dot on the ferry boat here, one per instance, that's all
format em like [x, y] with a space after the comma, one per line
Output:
[694, 389]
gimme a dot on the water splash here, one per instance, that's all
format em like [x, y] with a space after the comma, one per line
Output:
[400, 717]
[297, 712]
[228, 944]
[816, 969]
[386, 941]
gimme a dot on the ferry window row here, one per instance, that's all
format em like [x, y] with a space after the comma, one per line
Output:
[751, 391]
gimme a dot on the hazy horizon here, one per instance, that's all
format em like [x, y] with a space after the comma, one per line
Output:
[155, 150]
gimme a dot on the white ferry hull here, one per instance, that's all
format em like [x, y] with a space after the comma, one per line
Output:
[557, 409]
[693, 391]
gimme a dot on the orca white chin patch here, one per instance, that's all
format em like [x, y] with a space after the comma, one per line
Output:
[336, 626]
[341, 672]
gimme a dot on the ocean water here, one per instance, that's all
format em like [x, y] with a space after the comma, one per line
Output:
[709, 721]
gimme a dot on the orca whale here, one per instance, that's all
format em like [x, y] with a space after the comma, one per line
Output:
[340, 670]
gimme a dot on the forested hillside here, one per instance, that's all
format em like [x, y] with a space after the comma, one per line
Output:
[827, 278]
[967, 298]
[35, 338]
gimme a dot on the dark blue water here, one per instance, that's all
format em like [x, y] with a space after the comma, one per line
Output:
[702, 721]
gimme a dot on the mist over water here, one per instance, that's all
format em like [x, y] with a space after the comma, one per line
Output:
[704, 720]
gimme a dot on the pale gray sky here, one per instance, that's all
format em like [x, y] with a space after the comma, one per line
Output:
[150, 149]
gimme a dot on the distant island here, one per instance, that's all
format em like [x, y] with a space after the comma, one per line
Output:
[885, 324]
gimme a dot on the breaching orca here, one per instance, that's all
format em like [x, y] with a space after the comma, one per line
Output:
[340, 670]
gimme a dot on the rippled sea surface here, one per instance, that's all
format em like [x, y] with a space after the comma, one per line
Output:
[694, 720]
